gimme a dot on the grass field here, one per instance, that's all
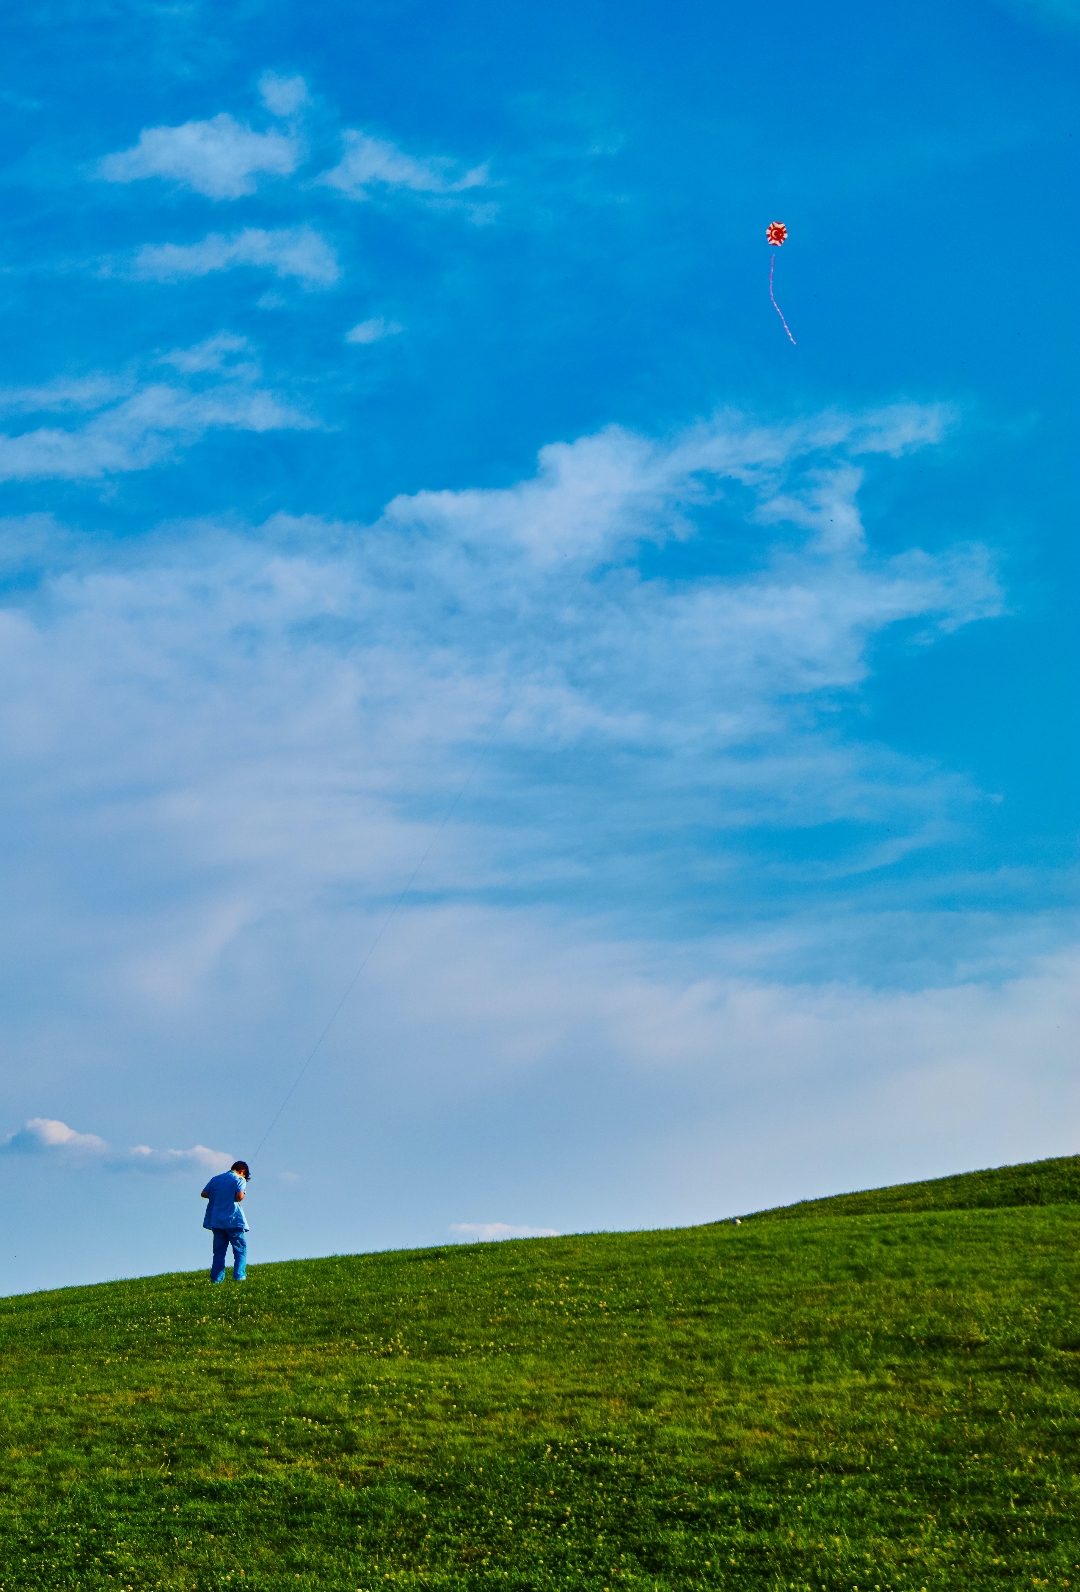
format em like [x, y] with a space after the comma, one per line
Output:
[867, 1393]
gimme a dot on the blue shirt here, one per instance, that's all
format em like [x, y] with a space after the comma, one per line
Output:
[223, 1209]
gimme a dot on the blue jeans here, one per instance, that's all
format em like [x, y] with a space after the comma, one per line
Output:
[223, 1237]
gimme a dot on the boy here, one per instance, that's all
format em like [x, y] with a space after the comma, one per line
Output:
[226, 1221]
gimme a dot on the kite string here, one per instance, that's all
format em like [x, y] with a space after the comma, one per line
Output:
[388, 919]
[775, 305]
[386, 922]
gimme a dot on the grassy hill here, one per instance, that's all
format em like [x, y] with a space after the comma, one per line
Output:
[1055, 1182]
[876, 1396]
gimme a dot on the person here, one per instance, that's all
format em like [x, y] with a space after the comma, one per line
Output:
[226, 1220]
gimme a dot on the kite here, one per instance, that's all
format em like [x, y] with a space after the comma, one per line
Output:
[776, 233]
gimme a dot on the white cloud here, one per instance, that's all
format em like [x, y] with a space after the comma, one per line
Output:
[283, 96]
[223, 752]
[221, 158]
[67, 392]
[141, 1158]
[213, 353]
[599, 497]
[532, 595]
[298, 252]
[143, 430]
[375, 162]
[484, 1231]
[373, 331]
[291, 709]
[46, 1135]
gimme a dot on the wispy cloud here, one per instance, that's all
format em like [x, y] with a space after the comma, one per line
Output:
[486, 1231]
[547, 607]
[146, 426]
[213, 353]
[298, 252]
[283, 96]
[257, 731]
[370, 163]
[373, 331]
[141, 1158]
[48, 1136]
[221, 158]
[76, 393]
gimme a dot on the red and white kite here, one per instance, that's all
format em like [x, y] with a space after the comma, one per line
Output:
[776, 233]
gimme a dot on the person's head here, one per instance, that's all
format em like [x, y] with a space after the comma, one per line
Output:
[243, 1168]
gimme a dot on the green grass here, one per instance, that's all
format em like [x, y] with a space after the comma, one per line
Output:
[886, 1400]
[1055, 1182]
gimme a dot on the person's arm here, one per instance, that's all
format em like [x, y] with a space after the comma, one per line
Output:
[240, 1197]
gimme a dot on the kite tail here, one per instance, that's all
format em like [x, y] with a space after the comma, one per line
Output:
[775, 305]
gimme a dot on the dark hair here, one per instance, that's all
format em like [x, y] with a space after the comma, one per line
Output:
[243, 1168]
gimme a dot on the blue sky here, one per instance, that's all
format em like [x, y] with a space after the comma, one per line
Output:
[397, 433]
